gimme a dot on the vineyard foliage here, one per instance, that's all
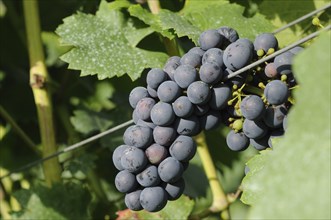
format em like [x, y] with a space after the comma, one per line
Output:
[97, 51]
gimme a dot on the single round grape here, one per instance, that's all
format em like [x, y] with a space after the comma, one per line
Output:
[183, 149]
[125, 181]
[270, 70]
[200, 110]
[171, 65]
[187, 126]
[197, 50]
[174, 190]
[237, 55]
[156, 153]
[162, 114]
[230, 34]
[276, 92]
[117, 154]
[265, 42]
[132, 200]
[209, 39]
[213, 55]
[138, 136]
[237, 141]
[252, 107]
[152, 92]
[144, 107]
[261, 143]
[198, 93]
[170, 170]
[133, 159]
[168, 91]
[148, 177]
[274, 116]
[182, 107]
[220, 95]
[155, 77]
[185, 75]
[136, 95]
[210, 120]
[254, 129]
[153, 199]
[192, 59]
[164, 135]
[283, 63]
[210, 73]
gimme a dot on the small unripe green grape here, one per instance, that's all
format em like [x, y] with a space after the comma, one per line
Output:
[237, 125]
[260, 52]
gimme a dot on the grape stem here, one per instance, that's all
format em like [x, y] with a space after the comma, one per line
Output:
[220, 202]
[38, 81]
[170, 45]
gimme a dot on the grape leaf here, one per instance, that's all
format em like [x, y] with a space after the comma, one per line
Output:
[60, 202]
[150, 19]
[294, 181]
[86, 121]
[179, 209]
[104, 44]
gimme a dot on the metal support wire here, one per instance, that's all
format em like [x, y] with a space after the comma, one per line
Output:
[125, 124]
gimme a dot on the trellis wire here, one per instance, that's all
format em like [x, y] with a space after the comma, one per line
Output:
[127, 123]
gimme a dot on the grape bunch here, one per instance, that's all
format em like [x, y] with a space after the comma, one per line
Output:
[193, 93]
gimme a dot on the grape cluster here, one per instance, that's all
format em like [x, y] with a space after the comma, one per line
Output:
[193, 93]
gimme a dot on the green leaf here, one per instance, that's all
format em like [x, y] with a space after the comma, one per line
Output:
[60, 202]
[150, 19]
[294, 180]
[87, 121]
[179, 209]
[104, 44]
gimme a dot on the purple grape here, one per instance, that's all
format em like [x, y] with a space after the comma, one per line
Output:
[133, 159]
[156, 153]
[252, 107]
[170, 170]
[153, 199]
[168, 91]
[185, 75]
[138, 136]
[144, 107]
[125, 181]
[164, 135]
[132, 200]
[198, 93]
[183, 149]
[136, 95]
[276, 92]
[237, 141]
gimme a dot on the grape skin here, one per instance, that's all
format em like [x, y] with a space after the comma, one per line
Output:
[170, 170]
[171, 65]
[183, 149]
[237, 55]
[229, 33]
[162, 114]
[153, 199]
[125, 181]
[210, 120]
[283, 63]
[117, 154]
[136, 95]
[174, 190]
[192, 59]
[270, 70]
[209, 39]
[237, 141]
[144, 107]
[164, 135]
[187, 126]
[265, 42]
[274, 116]
[254, 129]
[210, 73]
[252, 107]
[168, 91]
[182, 107]
[138, 136]
[276, 92]
[198, 93]
[155, 77]
[220, 94]
[133, 159]
[214, 55]
[148, 177]
[185, 75]
[156, 153]
[261, 143]
[131, 200]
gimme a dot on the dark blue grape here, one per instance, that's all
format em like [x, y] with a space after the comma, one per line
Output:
[143, 123]
[164, 135]
[265, 42]
[133, 159]
[230, 34]
[209, 39]
[117, 154]
[283, 63]
[210, 73]
[237, 55]
[187, 126]
[138, 136]
[136, 95]
[162, 114]
[155, 77]
[220, 95]
[213, 55]
[252, 107]
[174, 190]
[183, 149]
[185, 75]
[135, 117]
[254, 129]
[192, 59]
[276, 92]
[197, 50]
[148, 177]
[168, 91]
[170, 170]
[183, 107]
[171, 65]
[237, 141]
[246, 42]
[156, 153]
[132, 200]
[261, 143]
[144, 107]
[152, 92]
[210, 120]
[198, 93]
[153, 199]
[274, 116]
[270, 70]
[125, 181]
[200, 110]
